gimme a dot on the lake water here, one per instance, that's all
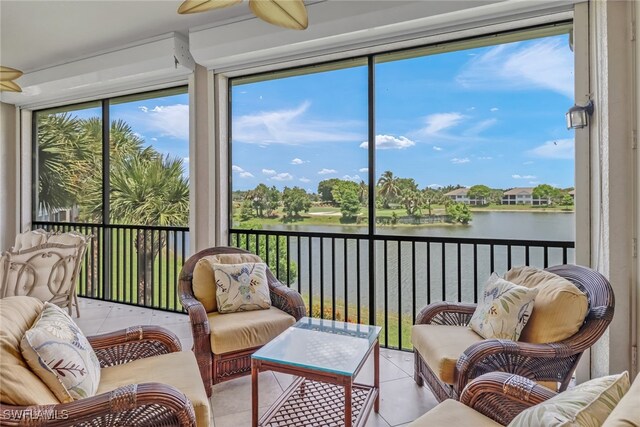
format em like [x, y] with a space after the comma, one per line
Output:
[394, 278]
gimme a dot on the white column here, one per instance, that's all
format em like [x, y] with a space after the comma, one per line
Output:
[612, 176]
[202, 164]
[9, 181]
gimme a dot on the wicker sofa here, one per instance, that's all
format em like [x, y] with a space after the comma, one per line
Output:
[448, 355]
[145, 379]
[494, 399]
[223, 343]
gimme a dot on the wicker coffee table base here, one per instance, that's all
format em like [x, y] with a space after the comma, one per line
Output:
[309, 403]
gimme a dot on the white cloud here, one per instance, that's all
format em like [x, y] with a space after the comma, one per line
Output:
[363, 170]
[246, 174]
[237, 168]
[485, 158]
[557, 149]
[435, 186]
[354, 178]
[297, 161]
[516, 176]
[326, 171]
[285, 176]
[480, 127]
[546, 64]
[305, 180]
[436, 148]
[168, 120]
[292, 127]
[494, 109]
[435, 123]
[457, 161]
[269, 172]
[389, 142]
[534, 183]
[154, 139]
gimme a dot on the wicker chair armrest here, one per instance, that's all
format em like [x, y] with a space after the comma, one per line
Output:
[501, 396]
[514, 357]
[137, 342]
[197, 317]
[135, 404]
[287, 299]
[446, 313]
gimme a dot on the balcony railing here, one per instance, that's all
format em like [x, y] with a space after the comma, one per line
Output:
[140, 265]
[131, 264]
[332, 271]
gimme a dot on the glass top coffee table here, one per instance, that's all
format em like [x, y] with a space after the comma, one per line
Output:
[326, 356]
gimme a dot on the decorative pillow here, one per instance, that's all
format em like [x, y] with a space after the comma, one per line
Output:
[559, 309]
[587, 405]
[59, 353]
[241, 287]
[503, 310]
[204, 286]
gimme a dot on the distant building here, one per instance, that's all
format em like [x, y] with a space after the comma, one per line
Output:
[572, 193]
[461, 195]
[522, 196]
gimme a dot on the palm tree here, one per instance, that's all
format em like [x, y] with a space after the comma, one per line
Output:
[363, 193]
[56, 136]
[388, 188]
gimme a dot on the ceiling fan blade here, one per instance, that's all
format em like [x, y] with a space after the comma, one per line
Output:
[195, 6]
[9, 86]
[290, 14]
[7, 73]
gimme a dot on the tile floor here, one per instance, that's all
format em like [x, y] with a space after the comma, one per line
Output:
[401, 401]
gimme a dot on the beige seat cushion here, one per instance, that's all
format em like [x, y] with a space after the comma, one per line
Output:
[441, 346]
[451, 413]
[18, 384]
[204, 284]
[627, 411]
[179, 370]
[559, 308]
[242, 330]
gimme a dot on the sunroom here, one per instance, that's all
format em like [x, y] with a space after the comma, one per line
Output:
[376, 161]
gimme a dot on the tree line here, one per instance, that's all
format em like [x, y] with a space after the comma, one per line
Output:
[391, 192]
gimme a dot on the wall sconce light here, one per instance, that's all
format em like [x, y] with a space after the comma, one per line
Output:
[578, 116]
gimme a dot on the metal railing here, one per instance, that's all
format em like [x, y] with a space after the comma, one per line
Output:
[131, 264]
[332, 271]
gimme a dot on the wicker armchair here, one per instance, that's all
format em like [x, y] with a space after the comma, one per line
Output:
[146, 404]
[498, 396]
[539, 362]
[216, 368]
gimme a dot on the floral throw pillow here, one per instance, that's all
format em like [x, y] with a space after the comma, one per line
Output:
[586, 405]
[241, 287]
[59, 353]
[503, 310]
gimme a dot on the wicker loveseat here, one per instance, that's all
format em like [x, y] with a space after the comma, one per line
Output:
[145, 379]
[223, 343]
[464, 355]
[494, 399]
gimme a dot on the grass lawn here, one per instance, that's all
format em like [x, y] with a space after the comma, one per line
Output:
[124, 272]
[392, 329]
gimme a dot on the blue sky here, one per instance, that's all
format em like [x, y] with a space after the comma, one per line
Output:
[492, 115]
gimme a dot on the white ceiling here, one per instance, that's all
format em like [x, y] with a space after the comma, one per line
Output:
[36, 34]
